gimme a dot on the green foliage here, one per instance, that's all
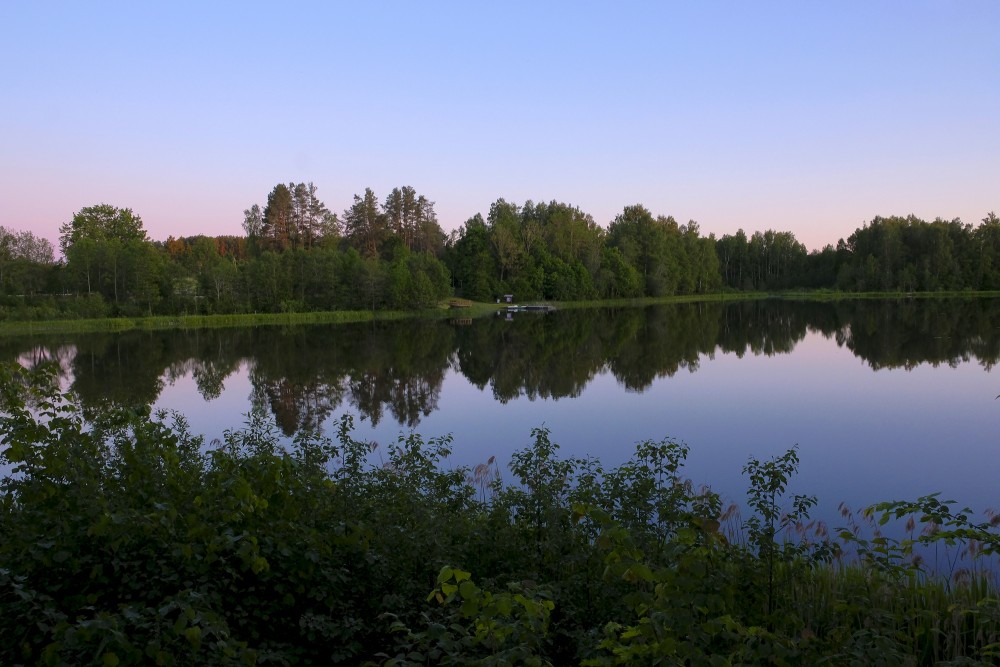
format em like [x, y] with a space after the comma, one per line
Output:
[910, 254]
[617, 278]
[101, 223]
[298, 256]
[471, 262]
[293, 218]
[127, 540]
[766, 260]
[478, 627]
[768, 480]
[26, 262]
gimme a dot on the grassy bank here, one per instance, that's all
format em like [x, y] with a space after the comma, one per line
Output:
[445, 310]
[117, 324]
[194, 322]
[831, 295]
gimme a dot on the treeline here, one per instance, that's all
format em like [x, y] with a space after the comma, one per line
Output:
[888, 254]
[296, 256]
[910, 254]
[392, 253]
[555, 251]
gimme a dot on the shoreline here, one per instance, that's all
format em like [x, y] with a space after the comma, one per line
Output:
[474, 309]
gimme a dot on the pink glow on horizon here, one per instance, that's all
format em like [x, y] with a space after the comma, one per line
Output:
[809, 119]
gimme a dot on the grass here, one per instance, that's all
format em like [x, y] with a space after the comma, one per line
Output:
[116, 324]
[445, 309]
[832, 295]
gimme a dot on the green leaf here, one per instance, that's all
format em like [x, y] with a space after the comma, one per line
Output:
[193, 635]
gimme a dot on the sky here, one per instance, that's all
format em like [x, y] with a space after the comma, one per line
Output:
[806, 117]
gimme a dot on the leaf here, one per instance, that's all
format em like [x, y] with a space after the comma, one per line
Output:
[468, 590]
[193, 635]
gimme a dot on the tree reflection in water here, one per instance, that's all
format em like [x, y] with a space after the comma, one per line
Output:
[303, 374]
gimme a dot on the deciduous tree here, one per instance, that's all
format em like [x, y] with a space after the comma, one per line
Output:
[101, 223]
[93, 243]
[25, 250]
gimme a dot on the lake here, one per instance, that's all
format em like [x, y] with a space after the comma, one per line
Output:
[886, 399]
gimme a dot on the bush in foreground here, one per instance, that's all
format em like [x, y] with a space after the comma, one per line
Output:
[127, 540]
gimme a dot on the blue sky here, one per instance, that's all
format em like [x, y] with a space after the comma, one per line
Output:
[800, 116]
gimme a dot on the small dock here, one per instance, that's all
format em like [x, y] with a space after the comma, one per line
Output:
[514, 308]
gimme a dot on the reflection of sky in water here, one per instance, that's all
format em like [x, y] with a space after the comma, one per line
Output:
[210, 418]
[864, 436]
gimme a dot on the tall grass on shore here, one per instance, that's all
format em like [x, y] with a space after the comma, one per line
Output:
[195, 321]
[156, 322]
[445, 309]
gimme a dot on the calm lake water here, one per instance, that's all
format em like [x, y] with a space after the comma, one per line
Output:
[885, 399]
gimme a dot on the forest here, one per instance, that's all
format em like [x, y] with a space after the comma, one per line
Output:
[392, 253]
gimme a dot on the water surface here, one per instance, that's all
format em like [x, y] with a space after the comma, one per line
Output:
[885, 399]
